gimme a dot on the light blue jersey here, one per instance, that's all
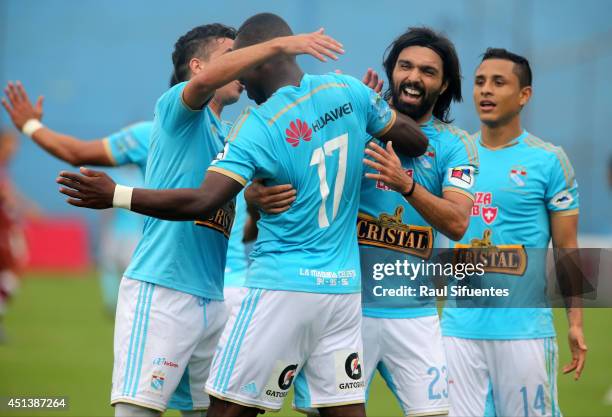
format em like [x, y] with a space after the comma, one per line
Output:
[237, 263]
[313, 137]
[520, 187]
[185, 256]
[130, 145]
[390, 229]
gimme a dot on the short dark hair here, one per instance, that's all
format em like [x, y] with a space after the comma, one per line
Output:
[441, 45]
[521, 64]
[173, 80]
[262, 27]
[195, 43]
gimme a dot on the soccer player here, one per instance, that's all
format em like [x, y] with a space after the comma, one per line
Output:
[170, 313]
[302, 311]
[504, 361]
[128, 146]
[401, 335]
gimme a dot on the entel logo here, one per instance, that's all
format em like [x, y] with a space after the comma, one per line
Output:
[298, 130]
[164, 362]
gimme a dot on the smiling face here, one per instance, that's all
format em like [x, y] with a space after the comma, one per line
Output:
[498, 95]
[418, 81]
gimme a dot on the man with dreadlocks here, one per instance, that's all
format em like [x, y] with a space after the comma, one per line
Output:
[401, 335]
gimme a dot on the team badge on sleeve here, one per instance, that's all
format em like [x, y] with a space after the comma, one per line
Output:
[380, 105]
[562, 200]
[462, 176]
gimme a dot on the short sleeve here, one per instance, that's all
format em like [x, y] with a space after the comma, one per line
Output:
[248, 151]
[379, 117]
[129, 145]
[562, 190]
[173, 113]
[459, 167]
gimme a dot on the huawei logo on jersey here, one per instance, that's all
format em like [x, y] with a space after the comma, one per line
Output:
[298, 130]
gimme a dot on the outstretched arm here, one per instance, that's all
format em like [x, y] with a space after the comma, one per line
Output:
[94, 189]
[65, 147]
[231, 66]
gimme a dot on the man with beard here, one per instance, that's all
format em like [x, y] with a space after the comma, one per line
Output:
[302, 311]
[401, 335]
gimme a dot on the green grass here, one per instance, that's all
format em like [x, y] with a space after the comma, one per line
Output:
[60, 344]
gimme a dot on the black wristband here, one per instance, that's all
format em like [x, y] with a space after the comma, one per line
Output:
[411, 190]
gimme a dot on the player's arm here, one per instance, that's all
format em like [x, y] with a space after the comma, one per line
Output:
[407, 136]
[386, 124]
[564, 230]
[232, 65]
[94, 189]
[65, 147]
[449, 214]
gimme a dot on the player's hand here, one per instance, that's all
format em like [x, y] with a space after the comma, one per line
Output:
[578, 349]
[389, 167]
[372, 80]
[316, 44]
[91, 189]
[19, 107]
[272, 200]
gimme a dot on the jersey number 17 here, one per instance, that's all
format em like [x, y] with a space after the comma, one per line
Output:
[318, 158]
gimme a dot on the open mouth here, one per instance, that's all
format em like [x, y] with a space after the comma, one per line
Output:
[411, 95]
[487, 105]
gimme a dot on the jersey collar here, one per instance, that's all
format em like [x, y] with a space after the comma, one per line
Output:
[513, 142]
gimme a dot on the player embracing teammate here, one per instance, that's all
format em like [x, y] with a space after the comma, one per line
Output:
[302, 312]
[300, 321]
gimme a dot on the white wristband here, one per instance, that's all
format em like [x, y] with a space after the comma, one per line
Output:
[122, 198]
[31, 126]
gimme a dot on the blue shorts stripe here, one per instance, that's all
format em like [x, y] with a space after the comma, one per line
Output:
[239, 344]
[144, 338]
[302, 398]
[243, 308]
[132, 333]
[134, 354]
[232, 347]
[223, 363]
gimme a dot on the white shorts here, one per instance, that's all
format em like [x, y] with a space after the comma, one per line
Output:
[409, 355]
[233, 297]
[164, 342]
[510, 378]
[275, 335]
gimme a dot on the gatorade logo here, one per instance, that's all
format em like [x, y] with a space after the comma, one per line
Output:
[286, 377]
[352, 366]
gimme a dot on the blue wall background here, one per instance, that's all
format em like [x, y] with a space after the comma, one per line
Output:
[102, 64]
